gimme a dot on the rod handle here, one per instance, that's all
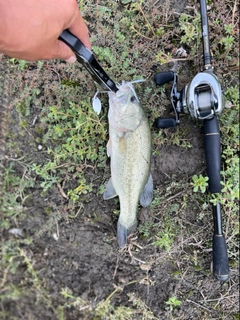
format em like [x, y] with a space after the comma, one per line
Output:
[213, 154]
[220, 258]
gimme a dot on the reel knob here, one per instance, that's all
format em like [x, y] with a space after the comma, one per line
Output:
[165, 123]
[163, 77]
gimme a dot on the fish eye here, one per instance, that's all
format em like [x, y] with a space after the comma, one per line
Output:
[133, 98]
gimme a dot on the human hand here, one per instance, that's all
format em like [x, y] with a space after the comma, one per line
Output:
[29, 30]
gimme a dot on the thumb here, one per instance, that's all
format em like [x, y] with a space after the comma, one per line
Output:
[63, 52]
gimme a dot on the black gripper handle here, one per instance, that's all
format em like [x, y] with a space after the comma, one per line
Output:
[163, 77]
[86, 57]
[76, 45]
[165, 122]
[213, 154]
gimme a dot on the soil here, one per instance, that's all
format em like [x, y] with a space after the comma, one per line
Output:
[82, 254]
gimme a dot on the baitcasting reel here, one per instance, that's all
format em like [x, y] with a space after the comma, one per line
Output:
[202, 98]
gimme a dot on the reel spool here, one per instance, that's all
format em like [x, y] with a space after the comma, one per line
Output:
[204, 98]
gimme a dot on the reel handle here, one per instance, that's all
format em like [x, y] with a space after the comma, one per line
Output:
[213, 154]
[160, 79]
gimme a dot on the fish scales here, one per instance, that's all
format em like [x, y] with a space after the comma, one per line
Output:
[129, 147]
[130, 165]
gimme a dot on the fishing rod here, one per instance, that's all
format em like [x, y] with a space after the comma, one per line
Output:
[203, 99]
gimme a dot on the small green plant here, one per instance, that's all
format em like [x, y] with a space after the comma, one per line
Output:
[199, 182]
[22, 64]
[74, 134]
[191, 31]
[83, 188]
[165, 239]
[162, 57]
[14, 194]
[173, 302]
[145, 229]
[232, 93]
[105, 310]
[227, 42]
[73, 301]
[229, 28]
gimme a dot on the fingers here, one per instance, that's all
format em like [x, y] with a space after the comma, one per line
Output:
[80, 30]
[72, 59]
[61, 51]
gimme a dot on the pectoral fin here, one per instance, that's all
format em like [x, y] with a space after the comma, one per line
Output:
[109, 148]
[110, 191]
[147, 193]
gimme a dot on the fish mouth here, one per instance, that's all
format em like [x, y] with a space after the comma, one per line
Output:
[118, 99]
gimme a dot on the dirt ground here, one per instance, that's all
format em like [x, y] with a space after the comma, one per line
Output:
[73, 269]
[86, 259]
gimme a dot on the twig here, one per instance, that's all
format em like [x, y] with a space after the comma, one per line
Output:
[139, 33]
[115, 271]
[174, 196]
[148, 24]
[234, 10]
[131, 255]
[57, 228]
[224, 297]
[34, 120]
[199, 305]
[81, 206]
[61, 191]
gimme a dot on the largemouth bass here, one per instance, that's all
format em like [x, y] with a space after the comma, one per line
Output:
[129, 147]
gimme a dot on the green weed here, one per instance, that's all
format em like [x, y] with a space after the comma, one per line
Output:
[191, 31]
[82, 188]
[74, 135]
[145, 230]
[165, 238]
[199, 182]
[15, 193]
[227, 42]
[105, 309]
[173, 302]
[21, 64]
[73, 301]
[232, 93]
